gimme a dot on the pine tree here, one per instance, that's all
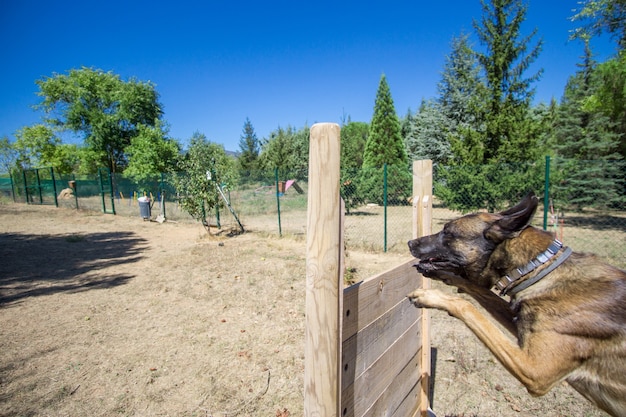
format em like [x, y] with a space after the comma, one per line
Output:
[509, 94]
[592, 174]
[249, 148]
[462, 95]
[384, 143]
[428, 137]
[384, 147]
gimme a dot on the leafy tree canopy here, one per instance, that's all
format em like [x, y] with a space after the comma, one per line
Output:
[151, 153]
[106, 110]
[204, 165]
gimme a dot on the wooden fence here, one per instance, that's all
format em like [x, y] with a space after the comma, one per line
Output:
[367, 349]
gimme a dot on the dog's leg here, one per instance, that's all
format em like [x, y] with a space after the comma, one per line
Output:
[544, 359]
[493, 304]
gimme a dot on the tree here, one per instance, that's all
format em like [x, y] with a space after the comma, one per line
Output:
[509, 94]
[461, 102]
[429, 134]
[353, 138]
[8, 155]
[384, 142]
[600, 16]
[39, 146]
[151, 153]
[384, 148]
[107, 111]
[203, 166]
[286, 149]
[249, 148]
[592, 174]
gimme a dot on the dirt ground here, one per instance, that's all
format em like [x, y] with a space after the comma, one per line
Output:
[105, 315]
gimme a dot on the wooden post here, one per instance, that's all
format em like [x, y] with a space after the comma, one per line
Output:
[323, 276]
[422, 219]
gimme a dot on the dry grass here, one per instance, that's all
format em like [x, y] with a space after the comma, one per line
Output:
[106, 315]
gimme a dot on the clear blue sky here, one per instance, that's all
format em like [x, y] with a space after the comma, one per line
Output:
[278, 63]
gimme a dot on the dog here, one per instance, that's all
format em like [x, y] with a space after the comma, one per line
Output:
[566, 310]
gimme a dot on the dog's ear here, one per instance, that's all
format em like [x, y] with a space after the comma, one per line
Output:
[513, 220]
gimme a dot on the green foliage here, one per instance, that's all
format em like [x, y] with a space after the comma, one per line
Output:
[429, 134]
[609, 97]
[371, 185]
[249, 148]
[107, 111]
[39, 146]
[384, 143]
[475, 187]
[592, 176]
[197, 193]
[8, 155]
[509, 94]
[353, 139]
[462, 102]
[150, 153]
[602, 16]
[288, 150]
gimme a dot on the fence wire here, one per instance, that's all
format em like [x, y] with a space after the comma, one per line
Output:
[583, 203]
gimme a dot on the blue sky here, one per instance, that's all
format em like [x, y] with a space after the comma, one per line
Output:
[278, 63]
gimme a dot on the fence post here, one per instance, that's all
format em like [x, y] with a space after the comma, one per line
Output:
[546, 194]
[322, 355]
[12, 187]
[280, 230]
[25, 186]
[422, 220]
[385, 206]
[54, 187]
[39, 186]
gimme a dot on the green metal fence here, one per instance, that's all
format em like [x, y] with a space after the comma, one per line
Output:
[583, 202]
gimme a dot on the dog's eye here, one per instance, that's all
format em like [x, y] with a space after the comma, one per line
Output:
[448, 231]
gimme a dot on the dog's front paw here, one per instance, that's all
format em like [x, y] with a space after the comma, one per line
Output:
[429, 299]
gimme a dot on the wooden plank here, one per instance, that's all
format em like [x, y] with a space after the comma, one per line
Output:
[400, 399]
[365, 347]
[358, 397]
[422, 221]
[367, 300]
[323, 295]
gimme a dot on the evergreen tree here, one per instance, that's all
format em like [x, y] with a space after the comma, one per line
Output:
[462, 96]
[428, 137]
[509, 94]
[384, 143]
[249, 148]
[592, 174]
[385, 147]
[353, 138]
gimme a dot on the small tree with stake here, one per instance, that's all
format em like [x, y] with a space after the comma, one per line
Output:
[197, 193]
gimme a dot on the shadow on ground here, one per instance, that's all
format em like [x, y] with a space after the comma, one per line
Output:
[36, 265]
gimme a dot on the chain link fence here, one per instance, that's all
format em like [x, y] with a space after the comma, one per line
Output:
[585, 203]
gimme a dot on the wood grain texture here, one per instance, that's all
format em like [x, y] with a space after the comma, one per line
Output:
[323, 275]
[422, 226]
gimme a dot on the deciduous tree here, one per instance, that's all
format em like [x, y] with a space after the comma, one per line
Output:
[104, 109]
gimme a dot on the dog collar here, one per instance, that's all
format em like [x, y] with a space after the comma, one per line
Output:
[510, 282]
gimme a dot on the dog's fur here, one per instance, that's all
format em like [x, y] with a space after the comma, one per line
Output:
[571, 325]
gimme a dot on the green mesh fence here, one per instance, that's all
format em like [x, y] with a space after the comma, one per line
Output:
[585, 203]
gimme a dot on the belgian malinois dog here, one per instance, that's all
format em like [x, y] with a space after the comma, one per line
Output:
[567, 310]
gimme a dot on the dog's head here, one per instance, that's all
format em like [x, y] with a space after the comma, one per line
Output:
[465, 245]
